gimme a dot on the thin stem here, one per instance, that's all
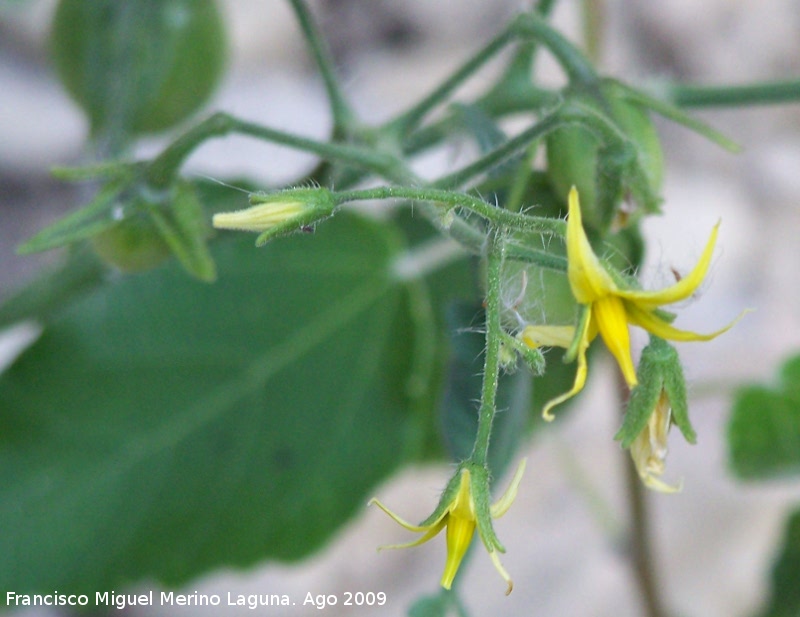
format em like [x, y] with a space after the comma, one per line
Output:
[497, 216]
[494, 333]
[765, 93]
[501, 153]
[640, 546]
[593, 21]
[343, 115]
[575, 64]
[411, 118]
[165, 166]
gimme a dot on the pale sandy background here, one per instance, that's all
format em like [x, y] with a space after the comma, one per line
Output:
[715, 539]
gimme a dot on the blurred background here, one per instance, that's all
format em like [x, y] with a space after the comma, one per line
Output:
[715, 540]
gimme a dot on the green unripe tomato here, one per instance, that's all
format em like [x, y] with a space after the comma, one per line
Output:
[138, 66]
[572, 156]
[132, 245]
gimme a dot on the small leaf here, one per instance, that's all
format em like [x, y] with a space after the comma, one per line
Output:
[784, 598]
[161, 428]
[764, 429]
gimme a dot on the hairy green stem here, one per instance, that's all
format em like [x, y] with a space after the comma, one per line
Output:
[493, 214]
[495, 255]
[410, 119]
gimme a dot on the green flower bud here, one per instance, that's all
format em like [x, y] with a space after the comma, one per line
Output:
[279, 213]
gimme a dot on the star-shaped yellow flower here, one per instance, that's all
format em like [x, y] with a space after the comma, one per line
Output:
[609, 307]
[458, 512]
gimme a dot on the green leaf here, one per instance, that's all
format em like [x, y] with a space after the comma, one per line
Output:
[784, 598]
[764, 429]
[161, 427]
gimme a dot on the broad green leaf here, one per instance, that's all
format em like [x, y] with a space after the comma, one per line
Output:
[162, 427]
[784, 598]
[764, 429]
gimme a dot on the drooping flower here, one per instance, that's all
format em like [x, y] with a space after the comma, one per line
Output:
[609, 306]
[463, 507]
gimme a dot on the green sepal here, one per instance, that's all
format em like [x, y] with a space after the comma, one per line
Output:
[184, 228]
[481, 494]
[671, 112]
[675, 388]
[659, 371]
[84, 223]
[447, 497]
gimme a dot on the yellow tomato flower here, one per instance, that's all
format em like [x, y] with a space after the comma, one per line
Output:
[649, 448]
[458, 513]
[609, 308]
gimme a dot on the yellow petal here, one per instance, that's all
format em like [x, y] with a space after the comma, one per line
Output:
[548, 336]
[612, 322]
[459, 535]
[501, 506]
[655, 325]
[587, 277]
[260, 217]
[463, 505]
[681, 290]
[580, 374]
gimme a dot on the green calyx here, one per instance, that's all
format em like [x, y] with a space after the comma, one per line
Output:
[660, 371]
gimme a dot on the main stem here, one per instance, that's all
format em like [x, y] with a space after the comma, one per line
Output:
[495, 255]
[639, 537]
